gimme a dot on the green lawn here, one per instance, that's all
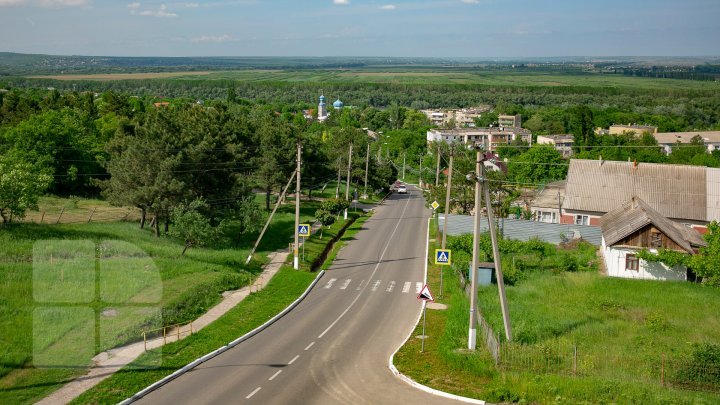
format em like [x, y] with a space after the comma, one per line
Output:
[69, 291]
[620, 329]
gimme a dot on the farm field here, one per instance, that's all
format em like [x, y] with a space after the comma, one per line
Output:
[416, 76]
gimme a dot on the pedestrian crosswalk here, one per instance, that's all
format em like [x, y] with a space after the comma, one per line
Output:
[373, 285]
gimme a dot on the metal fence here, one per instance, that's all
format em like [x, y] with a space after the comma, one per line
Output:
[62, 215]
[521, 229]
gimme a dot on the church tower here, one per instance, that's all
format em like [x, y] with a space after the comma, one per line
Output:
[322, 109]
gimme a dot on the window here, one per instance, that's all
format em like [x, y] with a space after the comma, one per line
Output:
[655, 239]
[547, 217]
[582, 220]
[632, 263]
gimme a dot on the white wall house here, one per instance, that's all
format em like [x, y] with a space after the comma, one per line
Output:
[623, 262]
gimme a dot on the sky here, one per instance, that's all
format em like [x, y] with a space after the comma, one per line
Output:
[399, 28]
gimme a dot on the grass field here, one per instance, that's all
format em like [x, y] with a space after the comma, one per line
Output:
[606, 318]
[69, 291]
[417, 76]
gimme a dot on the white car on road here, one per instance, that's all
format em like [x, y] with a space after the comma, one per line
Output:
[402, 190]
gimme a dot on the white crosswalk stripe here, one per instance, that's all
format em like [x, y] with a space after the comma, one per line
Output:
[330, 283]
[376, 285]
[390, 286]
[345, 284]
[406, 287]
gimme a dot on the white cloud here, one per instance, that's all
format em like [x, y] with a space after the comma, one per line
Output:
[214, 38]
[44, 3]
[341, 2]
[388, 7]
[161, 12]
[470, 1]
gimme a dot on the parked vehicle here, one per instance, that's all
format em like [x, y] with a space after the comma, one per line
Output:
[402, 190]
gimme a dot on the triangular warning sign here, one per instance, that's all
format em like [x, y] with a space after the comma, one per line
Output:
[425, 294]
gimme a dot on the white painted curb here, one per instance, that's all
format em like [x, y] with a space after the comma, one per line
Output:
[225, 348]
[409, 380]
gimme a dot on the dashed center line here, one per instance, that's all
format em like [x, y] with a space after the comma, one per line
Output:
[362, 282]
[376, 285]
[345, 284]
[253, 393]
[309, 346]
[330, 283]
[275, 375]
[390, 286]
[406, 287]
[293, 360]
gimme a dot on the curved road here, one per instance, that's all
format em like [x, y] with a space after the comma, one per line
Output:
[333, 348]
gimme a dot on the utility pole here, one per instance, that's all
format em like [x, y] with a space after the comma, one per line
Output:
[447, 213]
[437, 170]
[367, 164]
[420, 175]
[296, 258]
[472, 333]
[496, 258]
[403, 165]
[347, 183]
[559, 208]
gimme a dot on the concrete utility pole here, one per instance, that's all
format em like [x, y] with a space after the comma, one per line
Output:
[367, 164]
[437, 170]
[296, 258]
[347, 183]
[420, 175]
[403, 166]
[472, 333]
[496, 258]
[447, 199]
[559, 208]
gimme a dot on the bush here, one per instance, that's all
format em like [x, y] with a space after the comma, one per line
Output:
[334, 205]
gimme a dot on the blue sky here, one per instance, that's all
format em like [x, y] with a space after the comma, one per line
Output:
[443, 28]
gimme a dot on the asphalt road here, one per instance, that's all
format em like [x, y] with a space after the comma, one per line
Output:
[333, 348]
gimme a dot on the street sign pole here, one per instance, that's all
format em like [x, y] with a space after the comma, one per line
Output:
[422, 344]
[304, 239]
[425, 295]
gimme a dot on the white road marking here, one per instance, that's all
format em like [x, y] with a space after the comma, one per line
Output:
[275, 375]
[253, 393]
[376, 285]
[330, 283]
[309, 346]
[377, 266]
[293, 360]
[345, 284]
[362, 282]
[418, 287]
[390, 286]
[406, 287]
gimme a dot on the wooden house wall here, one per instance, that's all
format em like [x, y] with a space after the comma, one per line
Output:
[642, 238]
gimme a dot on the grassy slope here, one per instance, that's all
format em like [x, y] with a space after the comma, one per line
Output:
[551, 305]
[283, 289]
[190, 285]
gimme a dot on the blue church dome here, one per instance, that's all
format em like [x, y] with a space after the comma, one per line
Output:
[322, 99]
[338, 104]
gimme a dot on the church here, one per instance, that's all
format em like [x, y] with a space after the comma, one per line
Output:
[322, 108]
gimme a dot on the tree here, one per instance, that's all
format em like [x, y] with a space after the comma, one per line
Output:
[541, 163]
[191, 226]
[21, 185]
[706, 263]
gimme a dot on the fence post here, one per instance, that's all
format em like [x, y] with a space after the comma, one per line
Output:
[42, 217]
[191, 328]
[145, 340]
[497, 350]
[574, 360]
[164, 335]
[662, 370]
[178, 332]
[60, 216]
[91, 214]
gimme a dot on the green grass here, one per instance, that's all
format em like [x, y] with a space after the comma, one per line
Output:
[135, 268]
[606, 318]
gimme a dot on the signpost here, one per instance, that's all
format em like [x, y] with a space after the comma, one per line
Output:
[442, 258]
[425, 296]
[304, 232]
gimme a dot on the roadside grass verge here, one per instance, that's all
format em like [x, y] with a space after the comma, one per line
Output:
[47, 265]
[628, 319]
[252, 312]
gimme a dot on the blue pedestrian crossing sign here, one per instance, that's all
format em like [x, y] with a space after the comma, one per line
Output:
[442, 256]
[304, 230]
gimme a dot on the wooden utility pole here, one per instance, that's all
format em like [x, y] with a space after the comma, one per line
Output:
[403, 177]
[347, 183]
[420, 175]
[447, 213]
[296, 257]
[496, 258]
[367, 164]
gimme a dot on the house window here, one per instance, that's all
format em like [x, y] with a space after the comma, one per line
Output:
[582, 220]
[632, 263]
[655, 239]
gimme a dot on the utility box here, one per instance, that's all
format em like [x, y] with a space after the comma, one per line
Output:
[485, 273]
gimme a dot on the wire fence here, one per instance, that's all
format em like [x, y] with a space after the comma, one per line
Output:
[62, 215]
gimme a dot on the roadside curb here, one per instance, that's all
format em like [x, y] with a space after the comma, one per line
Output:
[409, 380]
[223, 349]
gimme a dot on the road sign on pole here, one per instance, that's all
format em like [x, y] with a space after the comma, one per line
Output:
[435, 205]
[442, 256]
[425, 294]
[304, 230]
